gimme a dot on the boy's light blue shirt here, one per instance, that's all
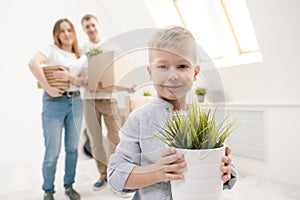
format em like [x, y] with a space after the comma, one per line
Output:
[138, 147]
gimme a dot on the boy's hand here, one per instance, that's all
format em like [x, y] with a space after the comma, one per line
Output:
[226, 169]
[168, 163]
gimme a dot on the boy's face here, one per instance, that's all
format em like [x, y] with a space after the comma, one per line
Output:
[172, 75]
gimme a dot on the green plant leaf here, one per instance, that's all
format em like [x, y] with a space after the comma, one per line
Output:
[195, 129]
[93, 52]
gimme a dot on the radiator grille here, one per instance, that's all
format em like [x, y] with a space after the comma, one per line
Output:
[248, 140]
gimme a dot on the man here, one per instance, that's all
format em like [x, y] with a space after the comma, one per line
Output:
[97, 105]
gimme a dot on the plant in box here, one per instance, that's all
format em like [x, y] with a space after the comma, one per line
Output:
[109, 71]
[197, 134]
[93, 52]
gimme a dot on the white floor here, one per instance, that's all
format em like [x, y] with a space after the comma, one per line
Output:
[24, 183]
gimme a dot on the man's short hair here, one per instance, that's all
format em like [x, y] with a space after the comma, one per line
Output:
[88, 17]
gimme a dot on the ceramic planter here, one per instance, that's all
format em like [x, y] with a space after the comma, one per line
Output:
[202, 175]
[200, 98]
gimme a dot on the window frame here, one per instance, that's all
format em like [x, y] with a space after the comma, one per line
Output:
[242, 56]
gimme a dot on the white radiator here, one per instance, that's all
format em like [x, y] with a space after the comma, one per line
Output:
[248, 140]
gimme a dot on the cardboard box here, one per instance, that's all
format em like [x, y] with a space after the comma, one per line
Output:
[108, 72]
[138, 102]
[48, 71]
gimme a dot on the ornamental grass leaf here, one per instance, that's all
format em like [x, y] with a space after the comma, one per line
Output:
[196, 129]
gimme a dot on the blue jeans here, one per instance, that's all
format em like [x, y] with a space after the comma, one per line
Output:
[58, 113]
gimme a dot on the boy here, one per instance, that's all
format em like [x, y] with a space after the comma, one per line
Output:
[141, 162]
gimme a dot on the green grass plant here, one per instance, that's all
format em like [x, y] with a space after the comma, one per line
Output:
[93, 52]
[147, 94]
[200, 91]
[196, 128]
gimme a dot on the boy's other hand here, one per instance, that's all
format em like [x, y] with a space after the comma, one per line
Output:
[226, 168]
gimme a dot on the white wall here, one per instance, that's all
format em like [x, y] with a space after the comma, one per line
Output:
[276, 79]
[275, 82]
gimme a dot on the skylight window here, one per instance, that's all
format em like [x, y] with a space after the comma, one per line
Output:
[223, 28]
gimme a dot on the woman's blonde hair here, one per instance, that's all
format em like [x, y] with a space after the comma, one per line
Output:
[57, 42]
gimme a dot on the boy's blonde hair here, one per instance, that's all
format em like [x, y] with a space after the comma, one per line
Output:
[172, 37]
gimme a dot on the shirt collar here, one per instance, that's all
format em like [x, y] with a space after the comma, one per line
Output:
[165, 104]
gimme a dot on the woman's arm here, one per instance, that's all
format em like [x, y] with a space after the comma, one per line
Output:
[64, 75]
[35, 66]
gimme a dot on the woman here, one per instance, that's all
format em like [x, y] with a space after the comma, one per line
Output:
[61, 109]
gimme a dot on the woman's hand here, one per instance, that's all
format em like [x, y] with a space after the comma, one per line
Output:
[62, 74]
[54, 92]
[168, 163]
[226, 168]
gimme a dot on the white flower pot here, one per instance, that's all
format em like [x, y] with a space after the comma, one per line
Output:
[200, 98]
[202, 176]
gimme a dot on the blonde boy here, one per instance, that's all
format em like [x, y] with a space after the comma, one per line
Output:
[141, 163]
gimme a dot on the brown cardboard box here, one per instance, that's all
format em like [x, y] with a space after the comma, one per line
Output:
[48, 71]
[138, 102]
[108, 72]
